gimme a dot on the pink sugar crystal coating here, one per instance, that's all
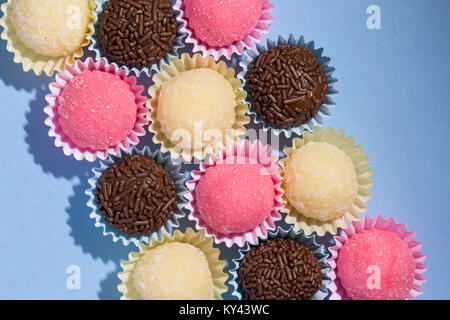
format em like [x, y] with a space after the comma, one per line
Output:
[373, 254]
[235, 197]
[97, 110]
[220, 23]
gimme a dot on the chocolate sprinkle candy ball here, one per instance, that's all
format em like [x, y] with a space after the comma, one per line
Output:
[137, 32]
[280, 269]
[286, 85]
[136, 195]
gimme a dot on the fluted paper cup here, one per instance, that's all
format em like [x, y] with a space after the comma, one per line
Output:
[290, 233]
[262, 27]
[196, 239]
[260, 154]
[379, 223]
[168, 227]
[325, 109]
[63, 141]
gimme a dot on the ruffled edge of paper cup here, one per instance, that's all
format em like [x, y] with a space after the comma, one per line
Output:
[262, 155]
[55, 131]
[262, 27]
[196, 239]
[379, 223]
[325, 109]
[168, 227]
[186, 63]
[363, 173]
[34, 61]
[96, 47]
[308, 240]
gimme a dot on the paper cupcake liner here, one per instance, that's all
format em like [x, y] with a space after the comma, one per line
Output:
[363, 173]
[34, 61]
[96, 46]
[185, 63]
[379, 223]
[324, 111]
[191, 237]
[260, 154]
[61, 139]
[299, 236]
[171, 224]
[262, 27]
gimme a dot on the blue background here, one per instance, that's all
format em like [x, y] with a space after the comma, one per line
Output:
[393, 99]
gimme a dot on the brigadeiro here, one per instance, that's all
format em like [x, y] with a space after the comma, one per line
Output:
[280, 269]
[136, 195]
[289, 85]
[136, 34]
[286, 85]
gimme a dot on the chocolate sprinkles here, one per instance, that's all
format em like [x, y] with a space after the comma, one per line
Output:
[136, 195]
[286, 85]
[280, 269]
[137, 32]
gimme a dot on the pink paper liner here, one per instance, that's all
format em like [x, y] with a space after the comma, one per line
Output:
[262, 155]
[237, 47]
[399, 229]
[61, 139]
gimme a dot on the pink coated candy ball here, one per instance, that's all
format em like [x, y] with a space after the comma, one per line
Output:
[376, 265]
[235, 197]
[220, 23]
[97, 110]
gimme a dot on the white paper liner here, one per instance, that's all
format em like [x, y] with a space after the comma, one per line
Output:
[96, 46]
[171, 224]
[325, 109]
[308, 241]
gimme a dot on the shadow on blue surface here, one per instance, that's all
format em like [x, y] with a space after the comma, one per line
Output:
[12, 73]
[91, 240]
[53, 161]
[108, 286]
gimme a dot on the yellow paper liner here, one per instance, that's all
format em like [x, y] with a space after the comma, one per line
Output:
[197, 239]
[185, 63]
[363, 173]
[34, 61]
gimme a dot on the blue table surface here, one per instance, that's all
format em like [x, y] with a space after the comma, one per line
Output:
[393, 98]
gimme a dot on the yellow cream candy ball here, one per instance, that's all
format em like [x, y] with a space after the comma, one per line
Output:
[51, 27]
[321, 181]
[174, 271]
[199, 98]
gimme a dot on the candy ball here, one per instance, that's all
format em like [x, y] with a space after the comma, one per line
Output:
[51, 27]
[97, 110]
[320, 181]
[235, 197]
[376, 265]
[173, 271]
[194, 103]
[220, 23]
